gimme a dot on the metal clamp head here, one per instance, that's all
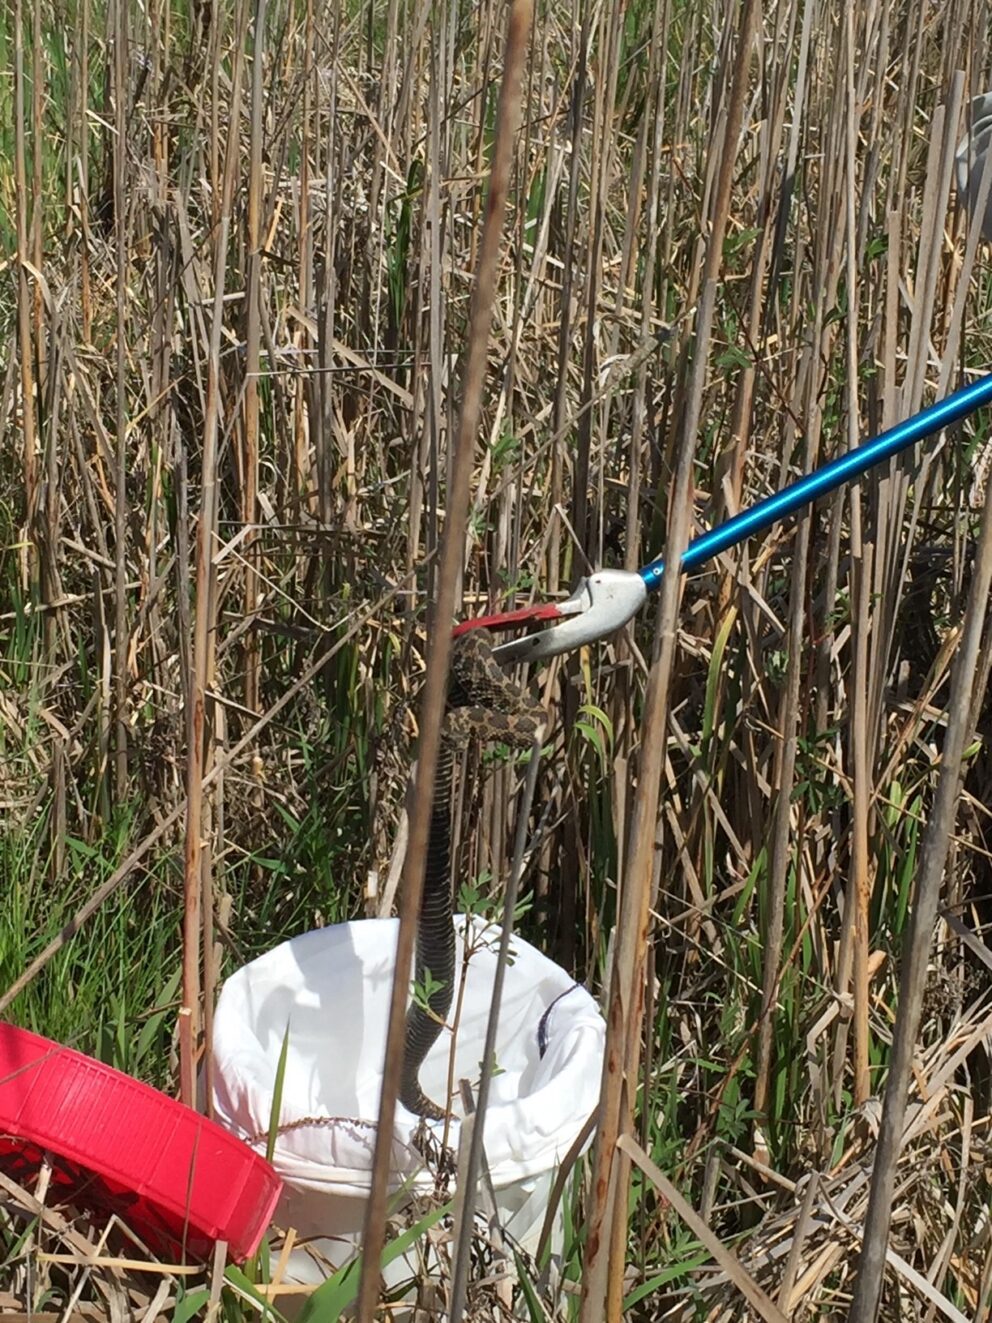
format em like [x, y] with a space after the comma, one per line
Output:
[601, 604]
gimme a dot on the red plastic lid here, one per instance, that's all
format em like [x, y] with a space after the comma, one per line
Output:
[178, 1180]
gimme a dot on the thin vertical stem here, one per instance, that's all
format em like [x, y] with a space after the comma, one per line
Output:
[189, 1012]
[37, 185]
[778, 860]
[85, 297]
[298, 465]
[249, 476]
[568, 265]
[962, 703]
[452, 551]
[120, 477]
[603, 1267]
[463, 1244]
[859, 890]
[25, 345]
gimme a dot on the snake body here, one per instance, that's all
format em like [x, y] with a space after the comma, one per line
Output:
[481, 703]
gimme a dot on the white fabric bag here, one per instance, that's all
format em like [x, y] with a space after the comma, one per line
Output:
[330, 988]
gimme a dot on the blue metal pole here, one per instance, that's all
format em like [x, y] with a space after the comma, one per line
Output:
[820, 481]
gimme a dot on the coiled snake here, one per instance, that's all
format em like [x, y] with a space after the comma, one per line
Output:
[481, 704]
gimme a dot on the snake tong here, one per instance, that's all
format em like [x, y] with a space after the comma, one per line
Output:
[604, 601]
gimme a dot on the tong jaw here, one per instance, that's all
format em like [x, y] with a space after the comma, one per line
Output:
[601, 604]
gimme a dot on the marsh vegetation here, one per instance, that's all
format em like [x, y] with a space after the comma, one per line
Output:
[239, 244]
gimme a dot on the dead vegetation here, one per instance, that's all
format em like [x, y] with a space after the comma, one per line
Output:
[240, 250]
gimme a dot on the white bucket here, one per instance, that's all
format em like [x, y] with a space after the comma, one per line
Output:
[331, 987]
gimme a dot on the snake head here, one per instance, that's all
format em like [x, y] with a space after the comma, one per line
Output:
[477, 679]
[482, 702]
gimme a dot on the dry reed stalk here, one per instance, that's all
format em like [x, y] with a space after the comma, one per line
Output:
[559, 425]
[426, 413]
[83, 153]
[622, 714]
[859, 888]
[587, 548]
[303, 410]
[25, 343]
[655, 137]
[829, 250]
[890, 566]
[782, 820]
[600, 157]
[37, 192]
[439, 648]
[253, 337]
[727, 497]
[729, 474]
[506, 505]
[121, 205]
[602, 1282]
[469, 1178]
[322, 418]
[868, 685]
[205, 621]
[424, 498]
[962, 701]
[163, 291]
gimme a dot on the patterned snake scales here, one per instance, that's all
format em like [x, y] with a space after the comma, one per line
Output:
[482, 704]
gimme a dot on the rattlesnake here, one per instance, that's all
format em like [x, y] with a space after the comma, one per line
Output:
[483, 704]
